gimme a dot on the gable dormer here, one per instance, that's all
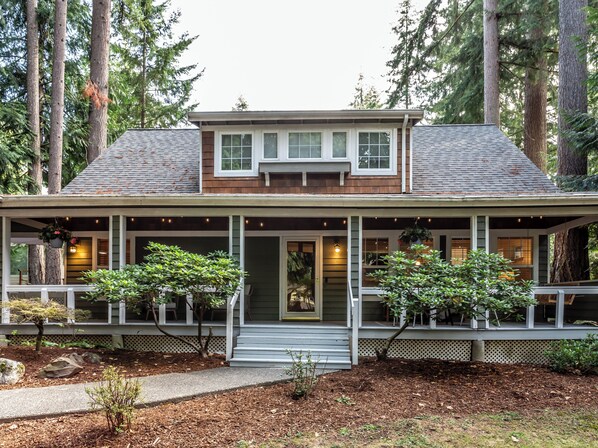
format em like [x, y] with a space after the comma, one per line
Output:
[317, 152]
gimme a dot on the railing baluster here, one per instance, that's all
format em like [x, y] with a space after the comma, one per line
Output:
[560, 308]
[189, 310]
[70, 302]
[44, 295]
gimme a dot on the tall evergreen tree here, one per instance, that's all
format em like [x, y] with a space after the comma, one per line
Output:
[366, 97]
[491, 91]
[149, 87]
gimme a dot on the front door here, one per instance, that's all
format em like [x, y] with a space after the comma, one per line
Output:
[301, 278]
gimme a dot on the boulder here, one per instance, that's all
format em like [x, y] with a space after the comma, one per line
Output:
[92, 358]
[62, 367]
[11, 371]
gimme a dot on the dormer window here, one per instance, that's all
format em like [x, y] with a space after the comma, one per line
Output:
[305, 145]
[374, 150]
[270, 145]
[236, 152]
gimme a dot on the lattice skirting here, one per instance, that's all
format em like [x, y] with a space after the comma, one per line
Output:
[135, 342]
[166, 344]
[531, 352]
[419, 349]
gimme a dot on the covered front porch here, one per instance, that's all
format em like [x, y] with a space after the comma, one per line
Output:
[307, 266]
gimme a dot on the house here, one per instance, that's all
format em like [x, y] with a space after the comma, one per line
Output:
[309, 201]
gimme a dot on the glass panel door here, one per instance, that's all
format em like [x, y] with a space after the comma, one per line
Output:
[301, 286]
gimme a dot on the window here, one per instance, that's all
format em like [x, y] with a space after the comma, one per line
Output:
[102, 253]
[236, 152]
[339, 144]
[460, 247]
[305, 145]
[374, 150]
[374, 249]
[270, 145]
[520, 252]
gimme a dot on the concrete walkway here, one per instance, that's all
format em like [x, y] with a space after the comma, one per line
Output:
[57, 400]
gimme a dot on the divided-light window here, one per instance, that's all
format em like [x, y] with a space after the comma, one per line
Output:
[305, 145]
[374, 150]
[236, 152]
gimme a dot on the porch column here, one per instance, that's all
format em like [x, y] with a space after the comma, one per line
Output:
[117, 247]
[5, 265]
[480, 240]
[354, 241]
[236, 248]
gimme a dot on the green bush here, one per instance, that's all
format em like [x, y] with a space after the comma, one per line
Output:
[116, 396]
[303, 372]
[574, 356]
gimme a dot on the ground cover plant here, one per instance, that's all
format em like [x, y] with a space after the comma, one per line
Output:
[210, 280]
[574, 356]
[407, 401]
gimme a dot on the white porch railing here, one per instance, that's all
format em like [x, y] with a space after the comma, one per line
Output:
[354, 324]
[230, 310]
[44, 292]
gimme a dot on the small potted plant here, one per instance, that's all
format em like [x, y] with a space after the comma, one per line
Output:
[415, 235]
[55, 235]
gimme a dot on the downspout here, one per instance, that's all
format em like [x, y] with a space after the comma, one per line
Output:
[411, 160]
[404, 154]
[200, 160]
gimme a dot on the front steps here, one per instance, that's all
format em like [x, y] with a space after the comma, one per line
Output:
[267, 345]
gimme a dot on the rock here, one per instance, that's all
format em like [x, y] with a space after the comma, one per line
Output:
[92, 358]
[11, 371]
[62, 367]
[75, 357]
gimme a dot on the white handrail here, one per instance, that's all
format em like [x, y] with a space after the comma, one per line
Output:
[354, 306]
[230, 308]
[49, 288]
[559, 291]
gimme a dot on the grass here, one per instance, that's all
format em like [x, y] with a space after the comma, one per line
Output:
[550, 429]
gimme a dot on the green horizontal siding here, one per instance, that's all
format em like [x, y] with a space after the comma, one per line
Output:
[334, 289]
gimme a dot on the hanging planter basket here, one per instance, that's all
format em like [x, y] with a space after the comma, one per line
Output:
[55, 235]
[415, 235]
[56, 243]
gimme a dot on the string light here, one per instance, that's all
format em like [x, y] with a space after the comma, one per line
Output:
[207, 219]
[261, 224]
[97, 221]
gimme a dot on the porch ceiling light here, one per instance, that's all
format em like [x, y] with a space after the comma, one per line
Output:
[73, 249]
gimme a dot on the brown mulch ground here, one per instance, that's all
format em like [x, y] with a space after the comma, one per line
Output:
[133, 363]
[379, 392]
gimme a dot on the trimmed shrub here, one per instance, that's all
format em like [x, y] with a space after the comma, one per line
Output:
[579, 356]
[303, 372]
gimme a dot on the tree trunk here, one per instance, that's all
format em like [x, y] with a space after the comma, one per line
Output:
[40, 336]
[534, 114]
[143, 78]
[100, 50]
[57, 113]
[54, 256]
[570, 260]
[382, 355]
[36, 262]
[491, 98]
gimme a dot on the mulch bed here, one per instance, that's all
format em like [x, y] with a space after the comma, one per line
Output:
[132, 363]
[380, 393]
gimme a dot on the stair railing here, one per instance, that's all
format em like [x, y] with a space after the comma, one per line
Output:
[354, 307]
[230, 311]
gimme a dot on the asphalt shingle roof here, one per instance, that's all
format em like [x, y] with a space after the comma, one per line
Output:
[447, 159]
[472, 159]
[144, 161]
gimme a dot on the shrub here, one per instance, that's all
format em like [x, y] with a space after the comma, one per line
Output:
[116, 396]
[303, 372]
[574, 356]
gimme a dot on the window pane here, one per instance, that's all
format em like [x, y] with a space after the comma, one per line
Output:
[339, 144]
[459, 249]
[374, 251]
[518, 250]
[236, 152]
[305, 145]
[374, 150]
[270, 146]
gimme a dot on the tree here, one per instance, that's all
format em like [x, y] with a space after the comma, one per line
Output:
[491, 92]
[97, 88]
[570, 261]
[38, 312]
[366, 97]
[209, 280]
[54, 265]
[36, 268]
[241, 104]
[420, 281]
[149, 88]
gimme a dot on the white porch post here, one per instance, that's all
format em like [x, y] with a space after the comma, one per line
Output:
[480, 240]
[5, 265]
[236, 248]
[117, 252]
[354, 238]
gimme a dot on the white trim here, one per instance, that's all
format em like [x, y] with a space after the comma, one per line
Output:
[230, 235]
[317, 313]
[404, 155]
[487, 233]
[473, 232]
[122, 242]
[110, 238]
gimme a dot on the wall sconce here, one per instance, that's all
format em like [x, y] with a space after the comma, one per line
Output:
[337, 247]
[73, 249]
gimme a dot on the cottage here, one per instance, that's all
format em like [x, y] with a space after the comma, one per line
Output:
[309, 201]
